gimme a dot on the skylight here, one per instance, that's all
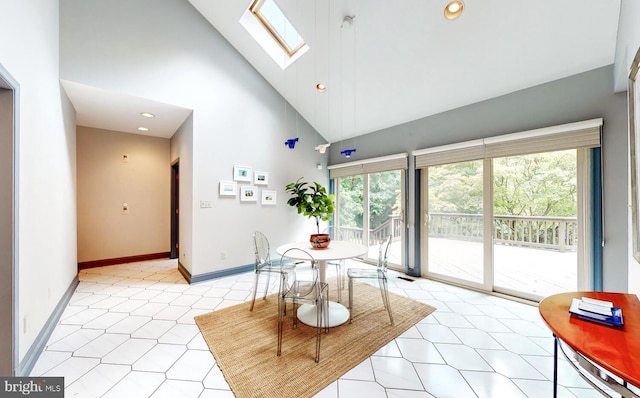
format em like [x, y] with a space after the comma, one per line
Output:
[274, 32]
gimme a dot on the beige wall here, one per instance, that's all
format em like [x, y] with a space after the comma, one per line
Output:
[106, 181]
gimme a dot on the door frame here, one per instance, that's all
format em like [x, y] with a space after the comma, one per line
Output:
[175, 209]
[9, 269]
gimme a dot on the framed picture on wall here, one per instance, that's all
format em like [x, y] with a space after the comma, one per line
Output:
[261, 178]
[248, 194]
[228, 188]
[241, 173]
[269, 197]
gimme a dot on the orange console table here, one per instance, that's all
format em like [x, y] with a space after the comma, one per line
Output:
[600, 350]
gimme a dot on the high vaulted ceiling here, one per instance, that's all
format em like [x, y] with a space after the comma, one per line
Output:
[402, 60]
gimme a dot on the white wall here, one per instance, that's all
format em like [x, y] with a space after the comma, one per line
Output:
[177, 57]
[105, 182]
[47, 214]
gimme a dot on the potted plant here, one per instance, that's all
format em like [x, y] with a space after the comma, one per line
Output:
[312, 200]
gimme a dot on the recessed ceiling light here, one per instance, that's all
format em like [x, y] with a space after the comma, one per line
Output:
[147, 114]
[454, 9]
[321, 87]
[143, 129]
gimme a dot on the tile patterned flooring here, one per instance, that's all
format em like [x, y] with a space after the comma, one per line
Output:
[129, 331]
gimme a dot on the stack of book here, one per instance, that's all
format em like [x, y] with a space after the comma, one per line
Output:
[597, 311]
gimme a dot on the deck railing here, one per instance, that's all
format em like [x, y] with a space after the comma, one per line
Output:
[391, 227]
[556, 233]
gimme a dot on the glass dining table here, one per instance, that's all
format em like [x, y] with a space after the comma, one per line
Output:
[337, 250]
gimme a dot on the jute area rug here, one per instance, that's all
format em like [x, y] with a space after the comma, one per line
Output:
[244, 343]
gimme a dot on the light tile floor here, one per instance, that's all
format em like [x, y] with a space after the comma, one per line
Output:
[129, 331]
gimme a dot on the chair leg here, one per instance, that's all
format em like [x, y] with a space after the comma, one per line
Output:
[350, 298]
[386, 300]
[255, 290]
[281, 303]
[381, 286]
[339, 281]
[319, 316]
[326, 310]
[343, 272]
[266, 286]
[295, 314]
[283, 283]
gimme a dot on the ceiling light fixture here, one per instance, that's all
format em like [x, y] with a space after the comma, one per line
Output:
[321, 87]
[322, 148]
[291, 142]
[347, 21]
[147, 114]
[143, 129]
[454, 9]
[347, 152]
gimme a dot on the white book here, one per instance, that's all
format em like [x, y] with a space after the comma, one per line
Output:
[597, 302]
[596, 306]
[613, 318]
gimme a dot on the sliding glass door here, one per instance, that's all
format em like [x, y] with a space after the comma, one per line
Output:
[455, 221]
[535, 223]
[385, 200]
[510, 224]
[370, 208]
[349, 220]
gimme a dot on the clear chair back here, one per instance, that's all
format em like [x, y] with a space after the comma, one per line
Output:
[261, 244]
[308, 284]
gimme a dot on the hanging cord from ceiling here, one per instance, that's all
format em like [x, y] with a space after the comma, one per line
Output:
[348, 22]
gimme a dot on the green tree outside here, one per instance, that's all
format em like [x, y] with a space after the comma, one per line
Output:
[542, 184]
[384, 199]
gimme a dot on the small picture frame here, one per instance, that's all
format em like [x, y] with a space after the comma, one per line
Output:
[269, 197]
[241, 173]
[261, 178]
[228, 188]
[248, 194]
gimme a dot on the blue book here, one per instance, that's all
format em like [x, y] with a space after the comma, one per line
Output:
[615, 319]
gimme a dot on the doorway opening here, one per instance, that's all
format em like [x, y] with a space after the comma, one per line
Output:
[175, 210]
[8, 224]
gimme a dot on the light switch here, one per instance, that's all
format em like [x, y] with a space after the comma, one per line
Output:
[125, 208]
[125, 158]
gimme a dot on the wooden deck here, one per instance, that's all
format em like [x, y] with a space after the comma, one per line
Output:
[539, 272]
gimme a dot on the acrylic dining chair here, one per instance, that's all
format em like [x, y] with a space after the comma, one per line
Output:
[379, 273]
[298, 292]
[264, 265]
